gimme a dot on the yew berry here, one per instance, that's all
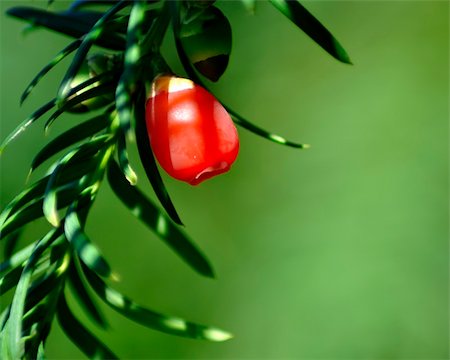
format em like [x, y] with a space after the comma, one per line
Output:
[191, 134]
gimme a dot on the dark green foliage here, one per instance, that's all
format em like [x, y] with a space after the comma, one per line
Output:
[27, 122]
[157, 221]
[73, 24]
[87, 342]
[13, 342]
[70, 138]
[83, 296]
[301, 17]
[114, 84]
[59, 57]
[82, 245]
[169, 324]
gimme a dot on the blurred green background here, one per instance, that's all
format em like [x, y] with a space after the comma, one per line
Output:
[336, 252]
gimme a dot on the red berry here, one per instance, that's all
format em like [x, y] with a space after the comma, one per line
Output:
[191, 134]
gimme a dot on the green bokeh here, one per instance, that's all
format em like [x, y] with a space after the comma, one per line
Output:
[336, 252]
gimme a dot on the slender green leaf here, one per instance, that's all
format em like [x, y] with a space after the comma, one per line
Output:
[80, 336]
[131, 60]
[49, 282]
[39, 334]
[16, 344]
[134, 35]
[34, 211]
[72, 24]
[206, 39]
[84, 298]
[36, 191]
[38, 318]
[124, 108]
[41, 352]
[84, 48]
[40, 304]
[119, 23]
[88, 82]
[16, 260]
[32, 325]
[238, 119]
[176, 9]
[70, 138]
[183, 56]
[11, 269]
[86, 250]
[37, 298]
[303, 19]
[33, 316]
[168, 324]
[149, 162]
[50, 198]
[28, 207]
[58, 251]
[85, 17]
[99, 90]
[4, 318]
[50, 203]
[47, 275]
[27, 122]
[153, 30]
[79, 4]
[60, 56]
[4, 336]
[123, 160]
[11, 242]
[31, 322]
[10, 280]
[157, 221]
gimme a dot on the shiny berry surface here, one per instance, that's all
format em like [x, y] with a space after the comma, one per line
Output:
[191, 134]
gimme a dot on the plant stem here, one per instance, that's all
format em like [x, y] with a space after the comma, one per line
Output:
[152, 41]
